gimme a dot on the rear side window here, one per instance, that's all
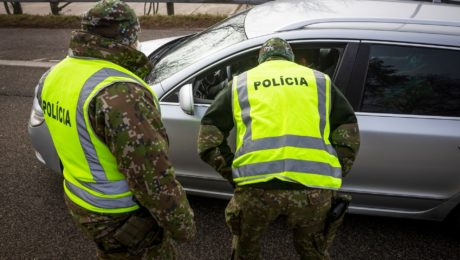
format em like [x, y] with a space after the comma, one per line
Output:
[412, 80]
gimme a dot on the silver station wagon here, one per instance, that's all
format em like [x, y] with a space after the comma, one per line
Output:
[397, 62]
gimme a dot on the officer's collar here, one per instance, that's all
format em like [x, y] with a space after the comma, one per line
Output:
[84, 44]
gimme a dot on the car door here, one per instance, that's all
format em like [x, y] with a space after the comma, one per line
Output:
[408, 103]
[183, 128]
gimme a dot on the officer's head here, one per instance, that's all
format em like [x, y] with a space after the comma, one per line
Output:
[275, 48]
[112, 19]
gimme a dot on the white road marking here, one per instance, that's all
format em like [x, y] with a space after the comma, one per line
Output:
[28, 63]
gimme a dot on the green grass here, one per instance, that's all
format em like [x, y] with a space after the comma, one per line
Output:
[73, 22]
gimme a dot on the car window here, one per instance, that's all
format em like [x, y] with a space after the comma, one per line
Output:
[412, 80]
[324, 59]
[208, 84]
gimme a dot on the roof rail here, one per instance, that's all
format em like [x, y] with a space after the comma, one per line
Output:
[455, 2]
[302, 24]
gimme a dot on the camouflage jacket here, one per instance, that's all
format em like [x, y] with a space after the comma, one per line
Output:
[218, 122]
[124, 116]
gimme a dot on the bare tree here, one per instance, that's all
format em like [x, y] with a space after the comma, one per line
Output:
[55, 8]
[17, 8]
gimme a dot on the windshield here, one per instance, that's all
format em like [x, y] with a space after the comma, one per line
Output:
[215, 38]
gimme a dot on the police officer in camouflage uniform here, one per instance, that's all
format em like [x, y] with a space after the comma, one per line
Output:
[106, 125]
[290, 151]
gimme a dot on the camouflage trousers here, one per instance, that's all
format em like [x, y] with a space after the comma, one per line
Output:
[104, 230]
[251, 210]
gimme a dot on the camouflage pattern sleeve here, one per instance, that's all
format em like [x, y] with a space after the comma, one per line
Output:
[212, 138]
[209, 140]
[124, 116]
[344, 130]
[345, 140]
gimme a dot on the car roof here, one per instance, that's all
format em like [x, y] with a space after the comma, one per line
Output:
[413, 16]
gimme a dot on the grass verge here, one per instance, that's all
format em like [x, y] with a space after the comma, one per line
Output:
[73, 22]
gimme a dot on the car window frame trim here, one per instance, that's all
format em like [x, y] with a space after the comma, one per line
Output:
[411, 44]
[450, 118]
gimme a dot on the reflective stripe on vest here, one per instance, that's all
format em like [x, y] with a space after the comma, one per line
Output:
[254, 160]
[91, 184]
[88, 147]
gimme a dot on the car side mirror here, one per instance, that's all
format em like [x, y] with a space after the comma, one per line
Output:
[186, 99]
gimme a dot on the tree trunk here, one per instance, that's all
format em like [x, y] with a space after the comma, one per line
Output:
[54, 8]
[17, 8]
[170, 8]
[7, 8]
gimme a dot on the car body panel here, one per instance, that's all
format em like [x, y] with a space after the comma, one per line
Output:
[257, 24]
[147, 47]
[44, 147]
[425, 149]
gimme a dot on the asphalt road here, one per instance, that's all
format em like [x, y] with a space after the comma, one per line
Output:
[34, 223]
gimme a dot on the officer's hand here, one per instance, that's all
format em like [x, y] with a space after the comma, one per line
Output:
[219, 163]
[226, 172]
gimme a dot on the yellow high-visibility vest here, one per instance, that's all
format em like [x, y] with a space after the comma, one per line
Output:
[281, 112]
[91, 177]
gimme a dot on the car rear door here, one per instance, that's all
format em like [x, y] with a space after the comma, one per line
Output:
[407, 99]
